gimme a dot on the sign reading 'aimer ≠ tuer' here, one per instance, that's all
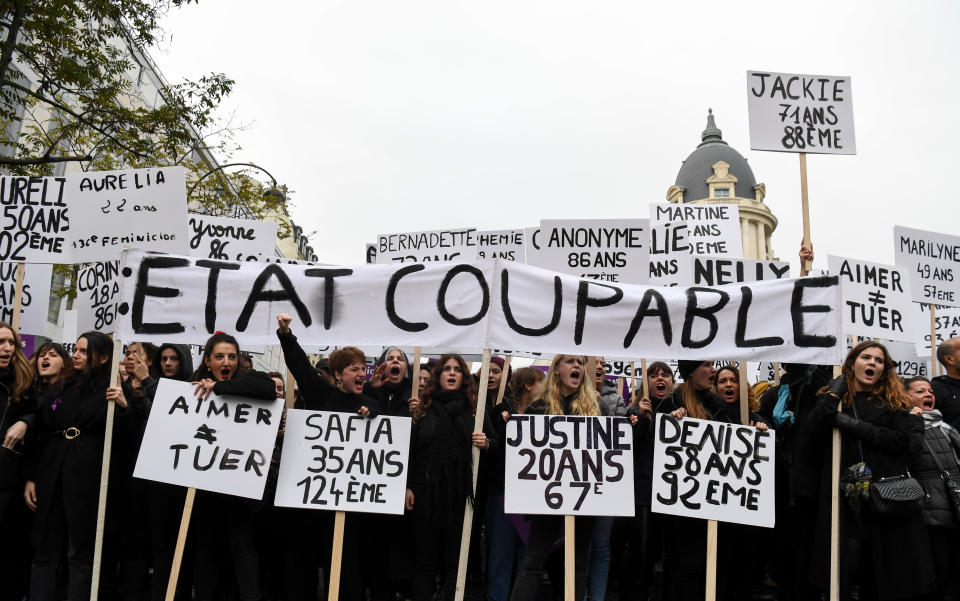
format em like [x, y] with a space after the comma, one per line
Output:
[876, 299]
[569, 465]
[800, 113]
[343, 461]
[713, 471]
[933, 260]
[221, 444]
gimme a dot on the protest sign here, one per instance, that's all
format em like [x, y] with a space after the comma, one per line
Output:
[371, 255]
[933, 261]
[569, 465]
[718, 271]
[501, 244]
[464, 306]
[67, 330]
[343, 461]
[139, 208]
[713, 471]
[36, 219]
[906, 360]
[695, 229]
[947, 322]
[98, 288]
[420, 247]
[612, 250]
[800, 113]
[876, 299]
[35, 299]
[231, 239]
[221, 444]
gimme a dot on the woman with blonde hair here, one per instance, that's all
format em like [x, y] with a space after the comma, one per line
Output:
[566, 391]
[886, 556]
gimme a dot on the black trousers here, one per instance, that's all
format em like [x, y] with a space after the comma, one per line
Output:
[224, 527]
[15, 554]
[61, 530]
[436, 547]
[545, 531]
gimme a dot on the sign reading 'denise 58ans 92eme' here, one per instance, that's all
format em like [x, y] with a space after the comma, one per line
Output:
[569, 465]
[800, 113]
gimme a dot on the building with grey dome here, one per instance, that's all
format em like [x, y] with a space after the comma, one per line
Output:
[715, 173]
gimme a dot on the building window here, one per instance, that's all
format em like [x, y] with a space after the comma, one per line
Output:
[721, 192]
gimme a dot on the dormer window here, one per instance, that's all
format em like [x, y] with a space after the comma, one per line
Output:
[721, 192]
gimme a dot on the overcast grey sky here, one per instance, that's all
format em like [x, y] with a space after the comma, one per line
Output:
[390, 116]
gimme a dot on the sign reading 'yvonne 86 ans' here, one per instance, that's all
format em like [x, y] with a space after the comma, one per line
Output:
[569, 465]
[800, 113]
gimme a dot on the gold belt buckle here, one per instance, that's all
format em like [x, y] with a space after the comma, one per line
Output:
[71, 433]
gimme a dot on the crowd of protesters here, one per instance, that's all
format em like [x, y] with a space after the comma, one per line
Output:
[53, 425]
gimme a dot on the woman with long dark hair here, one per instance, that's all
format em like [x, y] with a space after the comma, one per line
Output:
[224, 524]
[885, 557]
[566, 391]
[440, 473]
[63, 484]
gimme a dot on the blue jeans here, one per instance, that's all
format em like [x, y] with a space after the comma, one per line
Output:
[599, 558]
[505, 548]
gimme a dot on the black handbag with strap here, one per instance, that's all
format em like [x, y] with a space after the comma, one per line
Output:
[953, 488]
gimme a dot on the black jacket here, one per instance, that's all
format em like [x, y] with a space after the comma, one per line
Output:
[944, 441]
[72, 465]
[11, 412]
[947, 391]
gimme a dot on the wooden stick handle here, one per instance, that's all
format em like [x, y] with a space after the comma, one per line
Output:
[336, 560]
[711, 588]
[644, 381]
[934, 368]
[415, 373]
[805, 205]
[835, 507]
[744, 386]
[633, 378]
[504, 377]
[181, 543]
[468, 507]
[569, 559]
[17, 300]
[105, 475]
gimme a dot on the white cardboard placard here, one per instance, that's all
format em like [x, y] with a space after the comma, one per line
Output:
[876, 299]
[222, 444]
[800, 113]
[98, 288]
[35, 300]
[343, 461]
[947, 326]
[420, 247]
[933, 261]
[569, 465]
[228, 239]
[609, 250]
[501, 244]
[696, 475]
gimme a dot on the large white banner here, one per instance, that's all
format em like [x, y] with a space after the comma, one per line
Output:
[611, 250]
[35, 298]
[98, 288]
[933, 261]
[91, 216]
[472, 306]
[876, 299]
[713, 471]
[221, 444]
[569, 465]
[800, 113]
[343, 461]
[420, 247]
[137, 208]
[229, 239]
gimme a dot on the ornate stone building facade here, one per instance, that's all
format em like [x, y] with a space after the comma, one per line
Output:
[716, 173]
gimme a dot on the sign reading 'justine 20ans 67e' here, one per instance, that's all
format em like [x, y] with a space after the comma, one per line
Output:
[800, 113]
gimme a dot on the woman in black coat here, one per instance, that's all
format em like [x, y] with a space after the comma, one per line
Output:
[440, 473]
[311, 531]
[224, 524]
[64, 474]
[887, 558]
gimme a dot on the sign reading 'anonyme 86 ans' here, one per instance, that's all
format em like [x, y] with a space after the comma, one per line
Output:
[569, 465]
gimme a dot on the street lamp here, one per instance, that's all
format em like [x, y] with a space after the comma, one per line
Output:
[274, 191]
